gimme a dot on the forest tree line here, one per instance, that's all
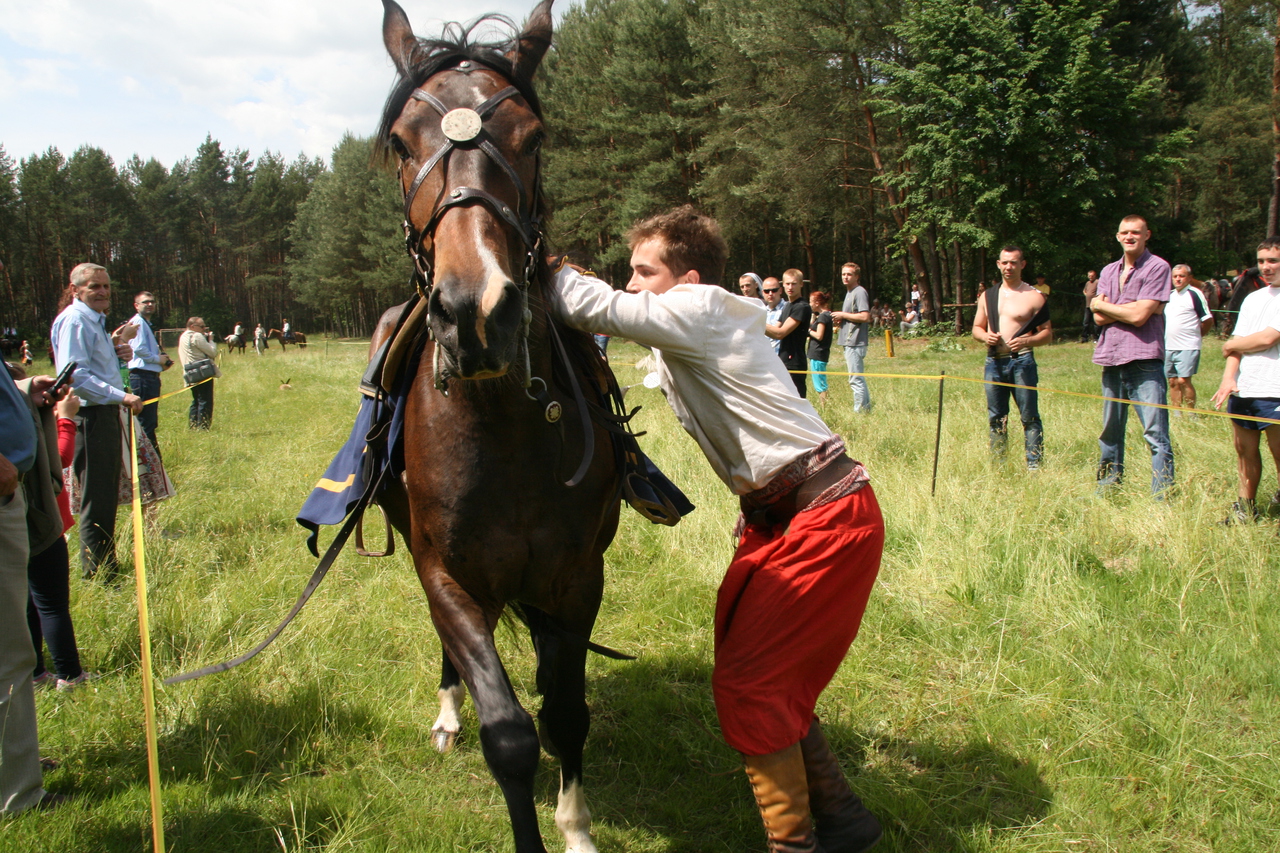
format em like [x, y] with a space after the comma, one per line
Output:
[914, 138]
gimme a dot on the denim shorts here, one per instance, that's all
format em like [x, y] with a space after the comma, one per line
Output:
[1181, 363]
[1255, 407]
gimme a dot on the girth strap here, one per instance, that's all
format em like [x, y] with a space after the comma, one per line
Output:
[588, 434]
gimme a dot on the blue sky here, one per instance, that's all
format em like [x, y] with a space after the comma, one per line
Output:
[154, 78]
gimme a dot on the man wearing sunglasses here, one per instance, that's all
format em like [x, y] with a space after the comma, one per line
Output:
[773, 306]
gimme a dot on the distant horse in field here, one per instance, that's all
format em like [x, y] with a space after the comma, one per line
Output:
[234, 342]
[298, 338]
[1247, 282]
[484, 504]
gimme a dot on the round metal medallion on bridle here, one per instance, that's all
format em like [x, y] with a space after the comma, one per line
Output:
[461, 125]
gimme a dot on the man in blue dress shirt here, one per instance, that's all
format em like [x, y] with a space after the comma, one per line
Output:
[80, 335]
[147, 362]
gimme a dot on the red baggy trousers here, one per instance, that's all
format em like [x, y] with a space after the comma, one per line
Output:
[786, 613]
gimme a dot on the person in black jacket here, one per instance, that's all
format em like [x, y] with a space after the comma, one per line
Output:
[793, 329]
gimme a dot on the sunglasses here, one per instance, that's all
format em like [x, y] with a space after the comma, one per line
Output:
[771, 290]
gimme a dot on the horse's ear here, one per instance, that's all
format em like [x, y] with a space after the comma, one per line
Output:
[533, 41]
[398, 36]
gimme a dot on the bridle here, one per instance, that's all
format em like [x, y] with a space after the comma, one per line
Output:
[463, 127]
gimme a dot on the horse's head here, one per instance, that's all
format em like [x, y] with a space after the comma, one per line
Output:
[465, 125]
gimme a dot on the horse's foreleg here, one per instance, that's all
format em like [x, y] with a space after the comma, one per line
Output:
[563, 721]
[507, 733]
[452, 693]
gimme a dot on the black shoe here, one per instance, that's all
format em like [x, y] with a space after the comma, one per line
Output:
[50, 800]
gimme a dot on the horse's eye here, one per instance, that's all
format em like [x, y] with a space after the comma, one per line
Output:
[534, 145]
[399, 147]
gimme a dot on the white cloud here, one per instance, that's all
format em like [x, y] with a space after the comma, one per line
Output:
[279, 74]
[36, 76]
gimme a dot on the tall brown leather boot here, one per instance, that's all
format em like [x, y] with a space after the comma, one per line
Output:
[843, 824]
[778, 781]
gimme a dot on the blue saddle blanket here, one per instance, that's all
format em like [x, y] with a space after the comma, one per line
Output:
[345, 479]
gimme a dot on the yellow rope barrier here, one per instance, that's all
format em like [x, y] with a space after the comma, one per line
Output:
[144, 630]
[934, 377]
[173, 394]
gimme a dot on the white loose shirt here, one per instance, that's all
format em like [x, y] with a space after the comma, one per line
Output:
[1185, 311]
[1259, 374]
[718, 371]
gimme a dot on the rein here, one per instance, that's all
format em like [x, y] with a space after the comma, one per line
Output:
[322, 569]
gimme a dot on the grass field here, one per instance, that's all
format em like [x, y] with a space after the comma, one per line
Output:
[1038, 670]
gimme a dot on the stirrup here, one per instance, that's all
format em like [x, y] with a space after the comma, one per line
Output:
[388, 549]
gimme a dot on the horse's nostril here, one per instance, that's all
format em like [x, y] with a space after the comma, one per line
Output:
[439, 311]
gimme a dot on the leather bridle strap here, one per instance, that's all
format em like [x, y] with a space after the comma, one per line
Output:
[463, 195]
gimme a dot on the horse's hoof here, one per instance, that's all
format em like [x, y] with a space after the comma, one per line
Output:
[444, 740]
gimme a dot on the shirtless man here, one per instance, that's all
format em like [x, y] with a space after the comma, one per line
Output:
[1088, 329]
[1021, 324]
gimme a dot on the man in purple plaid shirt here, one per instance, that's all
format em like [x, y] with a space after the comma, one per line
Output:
[1129, 311]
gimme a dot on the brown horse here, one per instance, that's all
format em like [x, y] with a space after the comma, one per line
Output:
[234, 342]
[484, 505]
[298, 338]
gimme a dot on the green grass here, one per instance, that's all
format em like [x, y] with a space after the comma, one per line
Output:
[1038, 670]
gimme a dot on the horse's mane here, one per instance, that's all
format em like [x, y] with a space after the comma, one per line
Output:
[457, 42]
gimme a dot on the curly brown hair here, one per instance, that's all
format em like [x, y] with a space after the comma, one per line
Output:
[690, 241]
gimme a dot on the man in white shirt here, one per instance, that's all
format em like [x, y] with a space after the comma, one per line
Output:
[812, 534]
[1251, 383]
[749, 283]
[1186, 318]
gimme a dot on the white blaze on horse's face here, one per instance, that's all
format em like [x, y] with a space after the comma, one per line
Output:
[478, 259]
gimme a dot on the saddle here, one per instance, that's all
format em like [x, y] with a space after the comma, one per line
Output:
[643, 486]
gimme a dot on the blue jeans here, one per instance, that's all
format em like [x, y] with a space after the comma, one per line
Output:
[854, 358]
[1017, 369]
[200, 415]
[48, 610]
[1142, 382]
